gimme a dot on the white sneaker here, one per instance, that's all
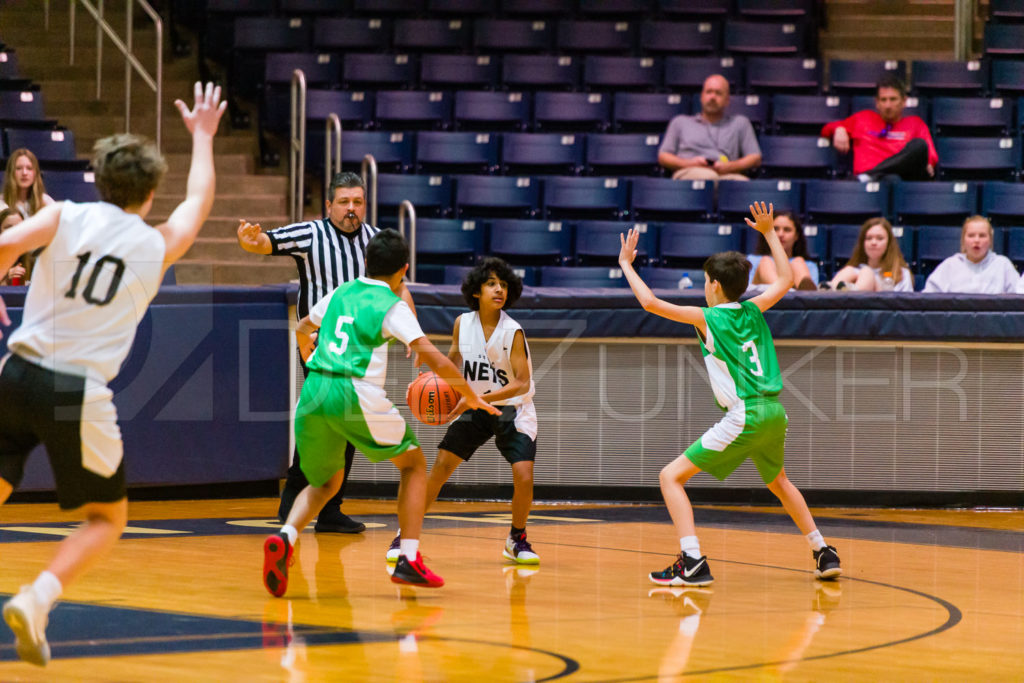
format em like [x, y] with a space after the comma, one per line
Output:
[395, 549]
[520, 551]
[27, 618]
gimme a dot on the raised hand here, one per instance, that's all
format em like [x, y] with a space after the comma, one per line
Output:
[205, 115]
[628, 243]
[249, 233]
[764, 220]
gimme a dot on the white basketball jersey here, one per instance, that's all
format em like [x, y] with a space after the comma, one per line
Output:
[89, 290]
[486, 363]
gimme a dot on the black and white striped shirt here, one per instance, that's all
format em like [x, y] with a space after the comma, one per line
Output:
[326, 256]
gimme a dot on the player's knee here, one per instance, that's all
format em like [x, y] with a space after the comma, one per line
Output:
[522, 476]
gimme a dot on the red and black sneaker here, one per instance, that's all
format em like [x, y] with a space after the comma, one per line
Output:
[277, 556]
[415, 573]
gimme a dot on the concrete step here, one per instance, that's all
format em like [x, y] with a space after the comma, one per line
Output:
[941, 47]
[226, 227]
[875, 27]
[840, 9]
[226, 250]
[171, 144]
[240, 205]
[224, 163]
[257, 184]
[193, 272]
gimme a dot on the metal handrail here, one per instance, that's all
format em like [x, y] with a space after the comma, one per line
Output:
[369, 173]
[333, 126]
[404, 208]
[156, 83]
[297, 147]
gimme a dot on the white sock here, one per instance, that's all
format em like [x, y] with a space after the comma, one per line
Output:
[47, 588]
[815, 540]
[291, 532]
[409, 547]
[690, 546]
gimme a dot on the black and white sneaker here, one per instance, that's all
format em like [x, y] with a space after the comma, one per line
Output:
[826, 563]
[685, 571]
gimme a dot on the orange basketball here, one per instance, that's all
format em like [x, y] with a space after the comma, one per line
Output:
[431, 399]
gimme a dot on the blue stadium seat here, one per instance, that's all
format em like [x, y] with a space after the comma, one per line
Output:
[845, 201]
[806, 114]
[843, 240]
[789, 74]
[462, 7]
[538, 8]
[930, 77]
[76, 186]
[915, 106]
[689, 279]
[448, 240]
[23, 108]
[374, 72]
[239, 7]
[392, 150]
[758, 38]
[1003, 203]
[1006, 10]
[513, 35]
[419, 35]
[754, 107]
[971, 116]
[598, 242]
[540, 71]
[595, 36]
[1014, 238]
[936, 243]
[677, 37]
[774, 9]
[861, 75]
[536, 153]
[413, 109]
[1004, 40]
[702, 9]
[689, 244]
[582, 277]
[938, 203]
[503, 196]
[622, 73]
[431, 195]
[735, 197]
[1007, 77]
[354, 108]
[816, 238]
[616, 8]
[349, 34]
[623, 154]
[456, 152]
[584, 198]
[646, 112]
[317, 67]
[574, 111]
[531, 242]
[797, 156]
[270, 34]
[404, 7]
[657, 199]
[9, 66]
[53, 148]
[454, 275]
[492, 110]
[689, 73]
[978, 158]
[319, 7]
[458, 71]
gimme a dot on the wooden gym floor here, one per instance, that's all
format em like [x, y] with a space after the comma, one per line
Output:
[926, 595]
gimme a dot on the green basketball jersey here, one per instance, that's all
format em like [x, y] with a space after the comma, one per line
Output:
[350, 333]
[740, 354]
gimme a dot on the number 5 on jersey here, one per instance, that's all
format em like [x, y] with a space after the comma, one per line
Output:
[339, 346]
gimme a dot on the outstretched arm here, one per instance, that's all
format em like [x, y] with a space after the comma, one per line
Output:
[181, 228]
[439, 363]
[252, 238]
[764, 223]
[691, 315]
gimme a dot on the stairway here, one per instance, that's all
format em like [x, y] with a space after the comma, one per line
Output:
[69, 95]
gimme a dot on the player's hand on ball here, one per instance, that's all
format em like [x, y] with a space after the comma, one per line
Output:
[628, 243]
[459, 409]
[474, 402]
[764, 220]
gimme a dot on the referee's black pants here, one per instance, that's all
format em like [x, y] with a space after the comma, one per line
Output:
[296, 480]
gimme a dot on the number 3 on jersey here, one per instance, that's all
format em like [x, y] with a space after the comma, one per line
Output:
[749, 347]
[339, 346]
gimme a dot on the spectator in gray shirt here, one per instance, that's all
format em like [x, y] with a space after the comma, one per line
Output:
[711, 145]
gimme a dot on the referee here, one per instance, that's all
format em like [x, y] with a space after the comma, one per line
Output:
[328, 253]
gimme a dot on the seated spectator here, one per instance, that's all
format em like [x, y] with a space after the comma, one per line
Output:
[17, 275]
[23, 184]
[885, 142]
[712, 145]
[877, 264]
[976, 269]
[791, 234]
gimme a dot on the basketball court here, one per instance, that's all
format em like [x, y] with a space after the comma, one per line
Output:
[925, 595]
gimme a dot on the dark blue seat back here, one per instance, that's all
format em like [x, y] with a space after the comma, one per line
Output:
[735, 197]
[431, 195]
[22, 106]
[936, 243]
[413, 109]
[76, 186]
[1004, 40]
[595, 36]
[806, 114]
[456, 152]
[598, 242]
[492, 110]
[513, 35]
[1007, 76]
[318, 68]
[418, 35]
[689, 244]
[790, 74]
[677, 37]
[672, 200]
[572, 111]
[754, 37]
[702, 9]
[530, 153]
[531, 242]
[647, 112]
[582, 276]
[448, 240]
[458, 71]
[392, 150]
[540, 71]
[1003, 203]
[51, 147]
[797, 156]
[861, 75]
[506, 196]
[623, 154]
[975, 158]
[940, 203]
[350, 34]
[971, 116]
[583, 198]
[845, 201]
[622, 73]
[931, 77]
[373, 71]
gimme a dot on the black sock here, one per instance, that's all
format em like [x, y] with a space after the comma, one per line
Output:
[516, 533]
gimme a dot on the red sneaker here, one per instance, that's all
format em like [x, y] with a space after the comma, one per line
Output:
[415, 573]
[277, 556]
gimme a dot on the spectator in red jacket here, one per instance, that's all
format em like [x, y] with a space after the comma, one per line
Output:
[885, 142]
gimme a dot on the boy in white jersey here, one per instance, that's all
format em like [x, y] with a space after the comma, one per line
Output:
[100, 268]
[343, 401]
[495, 358]
[740, 356]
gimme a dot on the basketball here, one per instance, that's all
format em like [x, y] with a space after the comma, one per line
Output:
[431, 399]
